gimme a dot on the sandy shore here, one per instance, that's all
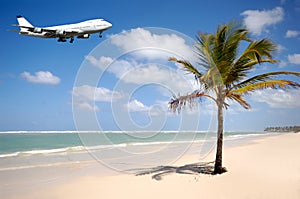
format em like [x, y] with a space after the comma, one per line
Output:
[266, 168]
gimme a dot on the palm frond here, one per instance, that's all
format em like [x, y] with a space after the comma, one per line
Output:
[178, 102]
[228, 39]
[188, 67]
[257, 52]
[274, 84]
[251, 63]
[262, 78]
[259, 49]
[239, 98]
[203, 48]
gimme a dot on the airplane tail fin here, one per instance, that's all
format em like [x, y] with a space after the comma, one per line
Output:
[23, 22]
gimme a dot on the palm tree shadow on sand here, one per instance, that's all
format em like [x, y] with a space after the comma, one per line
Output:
[190, 169]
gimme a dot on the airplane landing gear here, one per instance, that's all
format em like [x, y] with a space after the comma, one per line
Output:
[72, 40]
[61, 39]
[100, 35]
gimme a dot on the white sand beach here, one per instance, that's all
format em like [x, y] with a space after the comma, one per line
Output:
[265, 168]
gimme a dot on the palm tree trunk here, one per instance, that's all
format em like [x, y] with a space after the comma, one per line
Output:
[218, 162]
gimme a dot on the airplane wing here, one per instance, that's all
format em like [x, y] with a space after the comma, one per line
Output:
[61, 32]
[67, 31]
[53, 31]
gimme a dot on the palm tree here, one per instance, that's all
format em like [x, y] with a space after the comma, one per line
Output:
[225, 74]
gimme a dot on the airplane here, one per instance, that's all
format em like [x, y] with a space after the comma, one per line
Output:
[80, 30]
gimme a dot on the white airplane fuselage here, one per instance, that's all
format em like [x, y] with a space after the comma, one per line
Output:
[62, 32]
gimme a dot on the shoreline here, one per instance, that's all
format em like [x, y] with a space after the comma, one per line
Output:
[266, 167]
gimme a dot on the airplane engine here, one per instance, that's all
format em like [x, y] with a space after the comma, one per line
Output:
[61, 33]
[37, 30]
[85, 36]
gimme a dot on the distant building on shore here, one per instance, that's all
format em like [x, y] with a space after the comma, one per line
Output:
[294, 129]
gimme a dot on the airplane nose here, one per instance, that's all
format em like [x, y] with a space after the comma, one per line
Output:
[109, 25]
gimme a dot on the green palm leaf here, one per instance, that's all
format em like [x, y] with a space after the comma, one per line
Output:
[263, 77]
[239, 99]
[188, 67]
[274, 84]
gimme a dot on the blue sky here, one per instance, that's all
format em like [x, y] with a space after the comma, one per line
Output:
[39, 76]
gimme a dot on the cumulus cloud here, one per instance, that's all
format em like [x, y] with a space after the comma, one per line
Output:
[153, 45]
[157, 109]
[131, 71]
[292, 33]
[85, 96]
[294, 59]
[258, 21]
[278, 98]
[137, 106]
[282, 64]
[149, 73]
[86, 106]
[102, 62]
[41, 77]
[96, 94]
[117, 67]
[280, 48]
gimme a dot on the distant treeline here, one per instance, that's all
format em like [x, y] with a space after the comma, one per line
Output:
[283, 129]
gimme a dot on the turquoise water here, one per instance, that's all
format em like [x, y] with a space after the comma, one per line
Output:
[15, 143]
[117, 150]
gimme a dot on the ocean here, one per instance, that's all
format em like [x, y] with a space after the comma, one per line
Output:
[30, 149]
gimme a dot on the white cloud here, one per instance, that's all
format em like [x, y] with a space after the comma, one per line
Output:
[137, 106]
[96, 94]
[152, 45]
[258, 21]
[85, 106]
[280, 47]
[149, 73]
[139, 73]
[117, 67]
[278, 98]
[102, 62]
[292, 33]
[41, 77]
[85, 96]
[282, 64]
[160, 108]
[294, 59]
